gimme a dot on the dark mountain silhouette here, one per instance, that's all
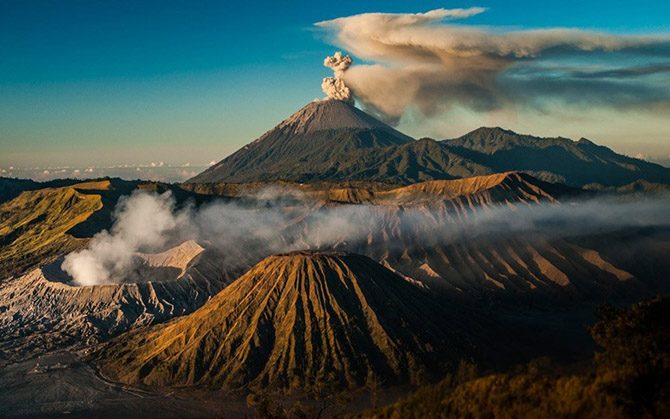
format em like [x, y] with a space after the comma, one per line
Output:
[576, 163]
[301, 145]
[627, 376]
[333, 141]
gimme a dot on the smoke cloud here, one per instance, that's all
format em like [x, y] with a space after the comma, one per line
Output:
[424, 62]
[143, 222]
[272, 222]
[335, 87]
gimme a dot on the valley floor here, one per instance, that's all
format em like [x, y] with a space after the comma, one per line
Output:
[63, 384]
[60, 384]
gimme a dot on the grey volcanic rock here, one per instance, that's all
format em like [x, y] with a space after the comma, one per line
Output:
[332, 114]
[40, 312]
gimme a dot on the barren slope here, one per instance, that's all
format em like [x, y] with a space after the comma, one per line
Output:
[41, 311]
[427, 231]
[34, 224]
[294, 320]
[315, 135]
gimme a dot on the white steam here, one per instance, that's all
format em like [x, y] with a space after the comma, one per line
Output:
[334, 87]
[273, 222]
[142, 222]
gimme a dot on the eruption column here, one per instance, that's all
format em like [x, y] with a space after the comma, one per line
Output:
[334, 87]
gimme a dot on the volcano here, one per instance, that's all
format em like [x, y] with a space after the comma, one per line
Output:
[300, 146]
[333, 141]
[292, 321]
[44, 310]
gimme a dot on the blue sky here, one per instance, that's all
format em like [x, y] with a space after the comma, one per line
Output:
[115, 82]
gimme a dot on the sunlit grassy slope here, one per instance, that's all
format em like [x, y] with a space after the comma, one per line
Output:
[34, 226]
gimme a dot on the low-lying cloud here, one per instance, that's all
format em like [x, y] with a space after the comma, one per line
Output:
[422, 61]
[275, 223]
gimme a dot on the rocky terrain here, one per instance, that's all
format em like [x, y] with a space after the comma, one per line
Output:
[333, 252]
[41, 311]
[293, 321]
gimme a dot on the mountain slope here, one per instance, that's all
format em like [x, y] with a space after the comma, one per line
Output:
[556, 159]
[10, 188]
[476, 191]
[334, 141]
[34, 224]
[500, 188]
[403, 164]
[312, 136]
[293, 320]
[40, 225]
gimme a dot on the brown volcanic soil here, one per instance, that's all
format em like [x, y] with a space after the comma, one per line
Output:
[489, 189]
[294, 320]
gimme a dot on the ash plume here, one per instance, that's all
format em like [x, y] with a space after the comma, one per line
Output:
[335, 87]
[422, 61]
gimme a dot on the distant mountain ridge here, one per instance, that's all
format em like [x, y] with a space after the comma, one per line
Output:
[575, 163]
[333, 141]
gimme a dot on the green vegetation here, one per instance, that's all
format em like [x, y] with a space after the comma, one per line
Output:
[629, 378]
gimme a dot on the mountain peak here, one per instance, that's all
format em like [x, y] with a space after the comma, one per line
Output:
[305, 144]
[493, 139]
[329, 114]
[492, 131]
[292, 320]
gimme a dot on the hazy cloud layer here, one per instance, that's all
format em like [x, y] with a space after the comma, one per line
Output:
[280, 223]
[421, 60]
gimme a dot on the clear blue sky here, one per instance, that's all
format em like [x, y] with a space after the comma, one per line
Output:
[107, 82]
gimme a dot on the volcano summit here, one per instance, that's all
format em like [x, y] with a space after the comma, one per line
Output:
[331, 140]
